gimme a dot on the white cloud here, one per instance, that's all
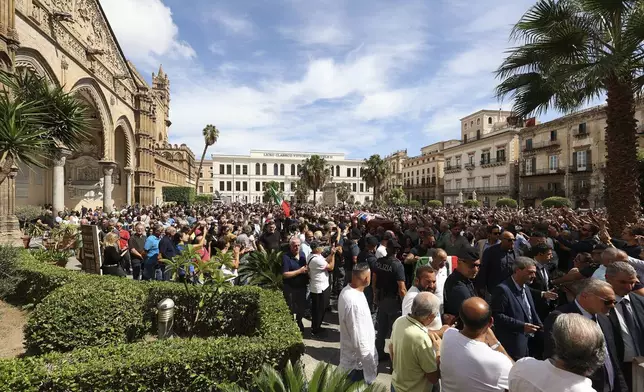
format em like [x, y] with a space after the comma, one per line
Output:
[146, 31]
[217, 48]
[232, 23]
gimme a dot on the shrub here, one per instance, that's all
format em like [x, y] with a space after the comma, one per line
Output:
[434, 204]
[205, 199]
[179, 194]
[27, 213]
[556, 201]
[170, 365]
[506, 202]
[94, 311]
[413, 203]
[471, 203]
[8, 263]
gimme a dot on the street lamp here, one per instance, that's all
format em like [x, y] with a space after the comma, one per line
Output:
[165, 318]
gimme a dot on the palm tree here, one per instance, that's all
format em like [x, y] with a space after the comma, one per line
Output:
[210, 136]
[574, 51]
[326, 378]
[301, 191]
[374, 172]
[268, 195]
[263, 269]
[315, 174]
[37, 119]
[343, 191]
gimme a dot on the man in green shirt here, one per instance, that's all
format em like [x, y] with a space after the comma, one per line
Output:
[415, 353]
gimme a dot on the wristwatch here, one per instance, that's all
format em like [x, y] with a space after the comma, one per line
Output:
[496, 345]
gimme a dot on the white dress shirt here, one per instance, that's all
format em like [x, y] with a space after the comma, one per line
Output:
[406, 308]
[532, 375]
[357, 334]
[600, 273]
[381, 251]
[441, 277]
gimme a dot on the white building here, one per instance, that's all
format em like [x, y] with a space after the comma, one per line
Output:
[484, 164]
[242, 178]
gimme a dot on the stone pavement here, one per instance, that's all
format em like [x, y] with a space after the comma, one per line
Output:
[328, 349]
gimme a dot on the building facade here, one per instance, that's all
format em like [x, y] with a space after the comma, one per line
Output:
[206, 179]
[127, 159]
[423, 174]
[483, 165]
[395, 162]
[566, 157]
[242, 178]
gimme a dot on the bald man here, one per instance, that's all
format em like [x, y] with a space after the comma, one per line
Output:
[473, 359]
[496, 264]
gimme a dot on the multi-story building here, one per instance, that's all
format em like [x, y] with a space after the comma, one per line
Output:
[395, 163]
[483, 165]
[242, 178]
[206, 179]
[566, 157]
[423, 174]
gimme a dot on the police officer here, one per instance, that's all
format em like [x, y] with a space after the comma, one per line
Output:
[389, 289]
[368, 255]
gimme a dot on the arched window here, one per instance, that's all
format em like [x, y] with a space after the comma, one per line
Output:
[360, 172]
[337, 170]
[263, 169]
[292, 169]
[281, 169]
[257, 169]
[275, 169]
[331, 170]
[478, 121]
[489, 120]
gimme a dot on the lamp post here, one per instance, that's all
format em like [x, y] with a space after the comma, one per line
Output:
[165, 318]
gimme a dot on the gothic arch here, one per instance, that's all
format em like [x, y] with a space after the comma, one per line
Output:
[90, 87]
[32, 60]
[125, 124]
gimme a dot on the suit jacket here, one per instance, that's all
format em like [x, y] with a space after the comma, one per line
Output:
[598, 377]
[496, 266]
[544, 307]
[637, 304]
[510, 315]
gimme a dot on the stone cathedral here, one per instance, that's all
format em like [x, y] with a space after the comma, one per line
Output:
[128, 160]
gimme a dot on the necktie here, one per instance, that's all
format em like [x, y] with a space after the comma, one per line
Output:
[527, 304]
[632, 327]
[544, 275]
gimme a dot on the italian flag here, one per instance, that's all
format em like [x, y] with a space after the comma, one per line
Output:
[278, 200]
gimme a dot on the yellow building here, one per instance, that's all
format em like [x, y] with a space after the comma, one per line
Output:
[128, 158]
[395, 163]
[423, 174]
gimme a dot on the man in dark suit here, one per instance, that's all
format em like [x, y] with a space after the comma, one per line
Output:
[627, 317]
[594, 302]
[458, 285]
[496, 265]
[542, 294]
[515, 315]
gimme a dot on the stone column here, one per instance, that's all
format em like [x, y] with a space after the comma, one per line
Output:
[58, 182]
[129, 173]
[108, 169]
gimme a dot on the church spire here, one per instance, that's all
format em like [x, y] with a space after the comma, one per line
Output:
[161, 74]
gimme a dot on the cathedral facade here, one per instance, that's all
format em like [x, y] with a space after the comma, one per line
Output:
[128, 158]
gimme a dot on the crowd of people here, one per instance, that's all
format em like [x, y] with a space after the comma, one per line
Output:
[480, 299]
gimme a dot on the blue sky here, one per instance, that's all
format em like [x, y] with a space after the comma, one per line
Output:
[353, 76]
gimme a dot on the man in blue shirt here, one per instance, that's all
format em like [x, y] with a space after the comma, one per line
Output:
[152, 253]
[168, 250]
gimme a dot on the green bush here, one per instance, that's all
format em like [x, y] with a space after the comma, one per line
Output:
[170, 365]
[94, 311]
[471, 203]
[8, 264]
[179, 194]
[205, 199]
[556, 201]
[435, 204]
[506, 202]
[32, 280]
[413, 203]
[27, 213]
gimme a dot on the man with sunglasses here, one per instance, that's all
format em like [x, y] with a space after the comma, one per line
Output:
[594, 302]
[459, 285]
[496, 265]
[587, 239]
[493, 233]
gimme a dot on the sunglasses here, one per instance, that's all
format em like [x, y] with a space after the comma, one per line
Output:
[472, 266]
[607, 302]
[495, 233]
[509, 239]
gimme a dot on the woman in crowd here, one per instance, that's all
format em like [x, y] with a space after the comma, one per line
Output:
[112, 257]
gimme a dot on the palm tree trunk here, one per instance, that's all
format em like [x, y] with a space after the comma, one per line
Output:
[205, 148]
[315, 191]
[621, 176]
[374, 192]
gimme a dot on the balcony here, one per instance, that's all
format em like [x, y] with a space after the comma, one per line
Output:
[493, 162]
[453, 169]
[469, 166]
[541, 145]
[580, 135]
[541, 172]
[581, 169]
[490, 190]
[542, 193]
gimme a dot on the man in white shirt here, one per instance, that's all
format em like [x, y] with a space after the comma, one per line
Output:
[381, 251]
[579, 350]
[473, 360]
[357, 335]
[319, 268]
[425, 282]
[439, 263]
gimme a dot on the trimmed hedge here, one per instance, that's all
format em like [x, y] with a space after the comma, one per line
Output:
[506, 202]
[471, 203]
[556, 201]
[434, 204]
[95, 311]
[203, 198]
[179, 194]
[198, 364]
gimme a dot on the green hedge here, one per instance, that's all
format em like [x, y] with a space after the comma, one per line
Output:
[506, 202]
[198, 364]
[96, 311]
[472, 203]
[434, 204]
[179, 194]
[206, 199]
[556, 201]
